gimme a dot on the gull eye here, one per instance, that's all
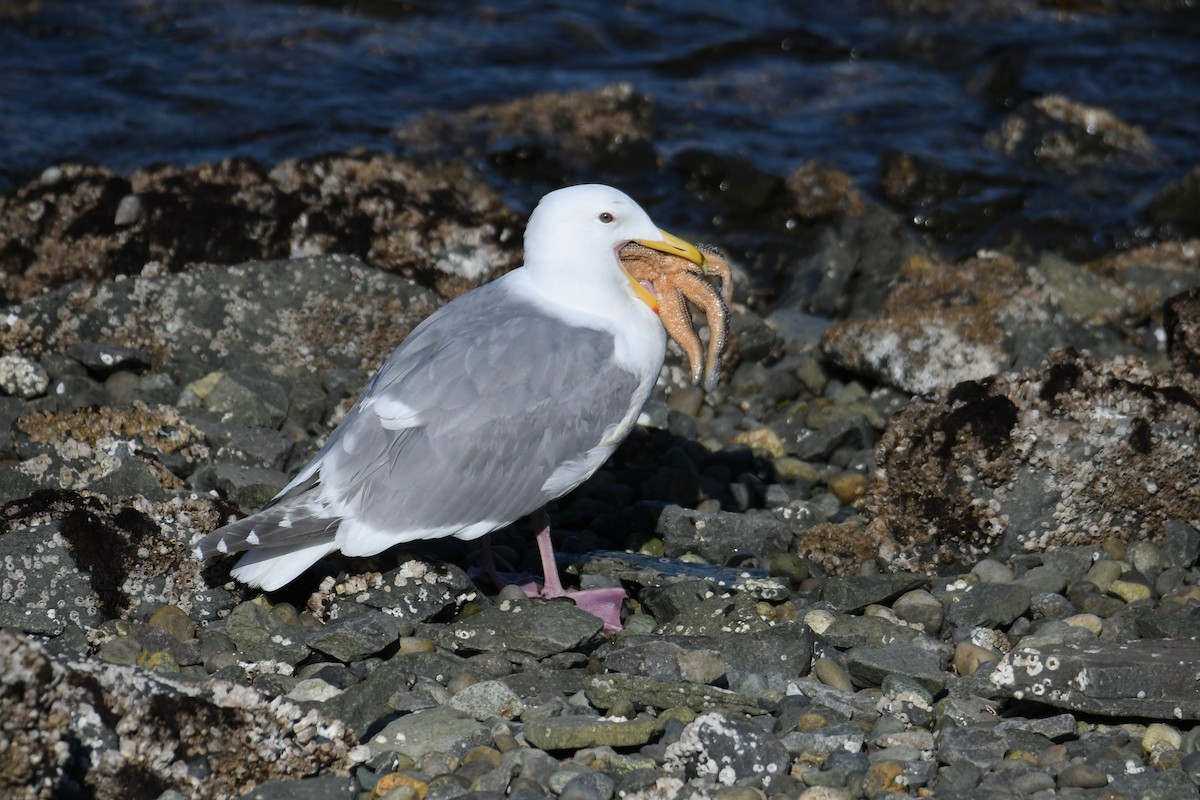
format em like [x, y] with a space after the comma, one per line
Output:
[606, 217]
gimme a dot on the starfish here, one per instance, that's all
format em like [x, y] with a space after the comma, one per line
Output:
[673, 281]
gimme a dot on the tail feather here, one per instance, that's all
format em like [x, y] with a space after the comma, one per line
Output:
[274, 567]
[278, 543]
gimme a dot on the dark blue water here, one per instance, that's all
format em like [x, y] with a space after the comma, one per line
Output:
[127, 84]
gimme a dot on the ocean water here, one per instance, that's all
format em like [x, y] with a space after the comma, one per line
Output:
[129, 83]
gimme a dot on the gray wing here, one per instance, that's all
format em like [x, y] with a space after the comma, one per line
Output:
[459, 433]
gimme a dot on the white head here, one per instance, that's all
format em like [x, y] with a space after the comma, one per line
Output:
[573, 236]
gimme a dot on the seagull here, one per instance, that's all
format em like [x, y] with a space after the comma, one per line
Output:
[502, 401]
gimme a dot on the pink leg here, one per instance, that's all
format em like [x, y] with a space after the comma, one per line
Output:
[603, 603]
[553, 585]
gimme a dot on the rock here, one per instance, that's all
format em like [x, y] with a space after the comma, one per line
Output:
[353, 639]
[578, 732]
[438, 730]
[1181, 544]
[818, 444]
[20, 377]
[604, 691]
[775, 655]
[724, 751]
[538, 627]
[1082, 776]
[1064, 133]
[666, 573]
[325, 788]
[919, 608]
[261, 636]
[84, 559]
[250, 488]
[1027, 432]
[847, 631]
[417, 590]
[608, 128]
[869, 665]
[717, 536]
[102, 359]
[851, 593]
[249, 398]
[488, 699]
[437, 223]
[143, 720]
[1102, 678]
[979, 746]
[988, 605]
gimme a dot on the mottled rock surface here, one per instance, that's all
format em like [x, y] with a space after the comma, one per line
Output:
[84, 728]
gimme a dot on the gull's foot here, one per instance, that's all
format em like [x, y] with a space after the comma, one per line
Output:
[604, 603]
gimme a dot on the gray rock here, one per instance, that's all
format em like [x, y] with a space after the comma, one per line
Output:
[261, 636]
[816, 745]
[1181, 544]
[724, 751]
[419, 590]
[438, 730]
[980, 746]
[604, 691]
[693, 609]
[958, 777]
[868, 666]
[1046, 605]
[1154, 679]
[362, 704]
[920, 608]
[247, 446]
[657, 571]
[102, 359]
[988, 605]
[717, 536]
[228, 315]
[1054, 727]
[43, 590]
[50, 706]
[72, 391]
[808, 444]
[133, 476]
[1082, 776]
[488, 699]
[357, 637]
[324, 788]
[538, 627]
[244, 397]
[589, 786]
[1044, 579]
[851, 593]
[250, 487]
[652, 657]
[849, 631]
[577, 732]
[773, 656]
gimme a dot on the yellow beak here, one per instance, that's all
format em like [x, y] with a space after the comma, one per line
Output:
[673, 245]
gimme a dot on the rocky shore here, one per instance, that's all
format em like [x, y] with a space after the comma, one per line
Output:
[933, 536]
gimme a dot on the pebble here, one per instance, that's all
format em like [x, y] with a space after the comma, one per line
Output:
[969, 657]
[920, 608]
[831, 673]
[1130, 591]
[1081, 776]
